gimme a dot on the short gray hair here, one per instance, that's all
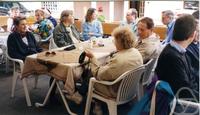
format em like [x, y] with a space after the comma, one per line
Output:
[65, 14]
[168, 13]
[134, 12]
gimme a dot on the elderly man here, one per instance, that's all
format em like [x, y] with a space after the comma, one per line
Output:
[66, 33]
[148, 43]
[172, 65]
[131, 16]
[168, 20]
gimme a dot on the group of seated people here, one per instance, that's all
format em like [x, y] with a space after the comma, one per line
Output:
[177, 63]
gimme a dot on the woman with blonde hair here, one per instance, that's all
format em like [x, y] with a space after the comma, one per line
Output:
[42, 27]
[125, 59]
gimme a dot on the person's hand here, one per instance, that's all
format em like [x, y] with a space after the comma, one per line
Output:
[89, 54]
[90, 33]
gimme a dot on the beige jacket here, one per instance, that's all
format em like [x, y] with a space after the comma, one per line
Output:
[121, 62]
[149, 47]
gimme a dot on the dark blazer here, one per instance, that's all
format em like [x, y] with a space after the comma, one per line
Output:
[61, 35]
[193, 58]
[53, 20]
[18, 49]
[173, 67]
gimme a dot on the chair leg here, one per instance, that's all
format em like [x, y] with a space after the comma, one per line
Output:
[89, 98]
[140, 92]
[28, 101]
[14, 81]
[7, 65]
[36, 81]
[88, 103]
[112, 107]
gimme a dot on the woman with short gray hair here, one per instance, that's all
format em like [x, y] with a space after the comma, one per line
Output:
[125, 59]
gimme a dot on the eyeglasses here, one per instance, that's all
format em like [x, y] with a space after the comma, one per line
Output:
[47, 54]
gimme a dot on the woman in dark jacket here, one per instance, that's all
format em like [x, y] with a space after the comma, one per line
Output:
[21, 43]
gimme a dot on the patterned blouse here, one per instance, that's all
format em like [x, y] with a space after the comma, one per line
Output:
[44, 28]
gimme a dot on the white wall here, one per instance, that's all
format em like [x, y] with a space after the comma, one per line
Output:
[63, 6]
[31, 5]
[154, 9]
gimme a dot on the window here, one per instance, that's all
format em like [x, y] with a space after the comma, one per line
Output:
[194, 5]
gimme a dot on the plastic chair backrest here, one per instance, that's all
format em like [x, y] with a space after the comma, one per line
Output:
[46, 39]
[52, 44]
[148, 70]
[129, 86]
[20, 62]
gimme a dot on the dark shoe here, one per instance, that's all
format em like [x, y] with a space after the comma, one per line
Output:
[97, 110]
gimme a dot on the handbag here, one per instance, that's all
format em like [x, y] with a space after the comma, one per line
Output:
[85, 76]
[159, 100]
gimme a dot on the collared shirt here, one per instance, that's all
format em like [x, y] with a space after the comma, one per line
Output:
[94, 27]
[152, 38]
[74, 39]
[170, 29]
[177, 47]
[131, 25]
[149, 47]
[24, 39]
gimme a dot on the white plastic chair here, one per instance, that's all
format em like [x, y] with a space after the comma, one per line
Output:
[17, 74]
[153, 101]
[1, 56]
[52, 44]
[146, 79]
[46, 39]
[185, 105]
[128, 89]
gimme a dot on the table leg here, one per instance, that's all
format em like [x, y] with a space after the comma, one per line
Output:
[47, 96]
[64, 100]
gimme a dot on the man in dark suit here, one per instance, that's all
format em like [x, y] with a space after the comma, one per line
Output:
[192, 53]
[172, 65]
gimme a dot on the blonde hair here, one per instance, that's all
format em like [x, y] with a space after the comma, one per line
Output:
[124, 37]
